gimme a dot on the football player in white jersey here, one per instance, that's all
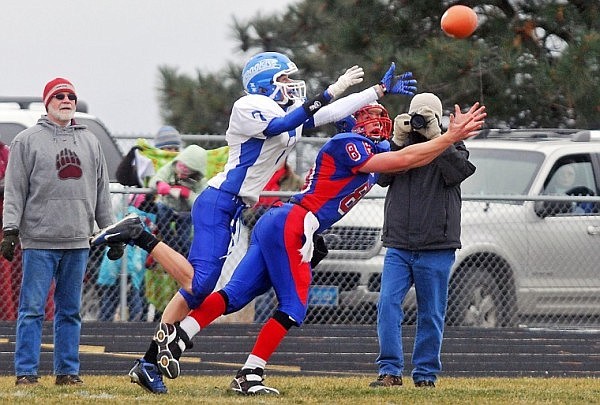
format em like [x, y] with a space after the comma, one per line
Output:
[264, 126]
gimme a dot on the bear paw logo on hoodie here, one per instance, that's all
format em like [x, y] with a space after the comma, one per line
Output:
[68, 165]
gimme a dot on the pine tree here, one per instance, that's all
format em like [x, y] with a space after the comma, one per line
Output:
[533, 63]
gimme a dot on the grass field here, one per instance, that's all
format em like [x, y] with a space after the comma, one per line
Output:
[310, 390]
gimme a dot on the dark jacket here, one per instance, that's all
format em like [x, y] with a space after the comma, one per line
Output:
[422, 205]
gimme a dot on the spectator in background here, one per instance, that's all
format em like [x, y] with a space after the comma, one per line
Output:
[135, 170]
[110, 273]
[56, 186]
[421, 232]
[8, 278]
[143, 160]
[563, 180]
[284, 179]
[177, 184]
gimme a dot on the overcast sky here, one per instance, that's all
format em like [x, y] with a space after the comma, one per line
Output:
[111, 49]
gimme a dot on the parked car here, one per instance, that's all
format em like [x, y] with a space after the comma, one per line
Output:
[526, 256]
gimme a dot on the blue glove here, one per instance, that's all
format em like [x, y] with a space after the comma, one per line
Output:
[401, 84]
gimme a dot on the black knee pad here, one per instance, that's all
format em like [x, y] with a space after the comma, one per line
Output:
[284, 319]
[225, 298]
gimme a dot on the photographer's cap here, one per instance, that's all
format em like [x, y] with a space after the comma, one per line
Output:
[426, 100]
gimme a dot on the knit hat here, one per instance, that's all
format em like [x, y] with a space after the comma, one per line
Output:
[55, 86]
[426, 100]
[167, 137]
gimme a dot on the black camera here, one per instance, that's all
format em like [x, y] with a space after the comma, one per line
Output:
[417, 121]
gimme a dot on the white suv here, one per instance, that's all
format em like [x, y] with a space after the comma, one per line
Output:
[530, 248]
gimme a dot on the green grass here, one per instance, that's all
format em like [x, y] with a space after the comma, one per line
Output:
[310, 390]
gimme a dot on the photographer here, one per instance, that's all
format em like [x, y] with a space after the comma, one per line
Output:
[421, 232]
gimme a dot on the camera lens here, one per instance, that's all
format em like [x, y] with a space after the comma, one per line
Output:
[417, 121]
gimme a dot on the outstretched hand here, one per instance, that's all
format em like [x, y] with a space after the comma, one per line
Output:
[466, 125]
[352, 76]
[400, 84]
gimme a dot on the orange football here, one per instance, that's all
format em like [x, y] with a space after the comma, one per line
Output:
[459, 21]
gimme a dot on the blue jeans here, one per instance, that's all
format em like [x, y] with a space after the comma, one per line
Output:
[429, 271]
[67, 268]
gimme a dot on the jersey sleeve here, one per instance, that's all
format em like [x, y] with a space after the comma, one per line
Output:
[350, 151]
[251, 115]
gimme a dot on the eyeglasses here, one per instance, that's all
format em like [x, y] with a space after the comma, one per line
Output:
[70, 96]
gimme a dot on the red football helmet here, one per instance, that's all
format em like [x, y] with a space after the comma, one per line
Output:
[373, 121]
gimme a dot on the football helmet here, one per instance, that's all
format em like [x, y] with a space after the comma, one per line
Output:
[260, 75]
[373, 121]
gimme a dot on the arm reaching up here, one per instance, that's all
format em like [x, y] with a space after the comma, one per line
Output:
[462, 126]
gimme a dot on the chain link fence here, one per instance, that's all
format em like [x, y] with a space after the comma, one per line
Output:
[521, 264]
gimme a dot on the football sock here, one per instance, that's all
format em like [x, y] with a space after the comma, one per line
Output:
[213, 307]
[151, 353]
[190, 326]
[254, 362]
[268, 339]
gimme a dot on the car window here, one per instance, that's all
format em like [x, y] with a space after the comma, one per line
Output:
[8, 131]
[502, 172]
[571, 173]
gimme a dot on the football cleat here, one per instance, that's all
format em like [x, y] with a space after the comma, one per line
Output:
[125, 230]
[172, 341]
[147, 376]
[250, 382]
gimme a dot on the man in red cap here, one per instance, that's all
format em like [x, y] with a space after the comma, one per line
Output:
[56, 186]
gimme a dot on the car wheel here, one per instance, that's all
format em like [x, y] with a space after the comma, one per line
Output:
[475, 300]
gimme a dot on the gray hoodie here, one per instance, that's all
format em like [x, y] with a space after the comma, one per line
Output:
[56, 186]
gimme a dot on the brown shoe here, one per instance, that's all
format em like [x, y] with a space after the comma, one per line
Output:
[27, 380]
[68, 380]
[425, 384]
[387, 380]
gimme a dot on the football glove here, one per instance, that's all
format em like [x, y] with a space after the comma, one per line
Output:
[115, 251]
[352, 76]
[400, 84]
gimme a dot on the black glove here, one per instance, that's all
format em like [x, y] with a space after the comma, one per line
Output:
[11, 238]
[319, 251]
[115, 251]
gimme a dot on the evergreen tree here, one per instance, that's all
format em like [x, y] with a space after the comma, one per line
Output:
[533, 63]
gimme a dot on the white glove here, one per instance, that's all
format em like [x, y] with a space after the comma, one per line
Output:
[401, 129]
[352, 76]
[432, 130]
